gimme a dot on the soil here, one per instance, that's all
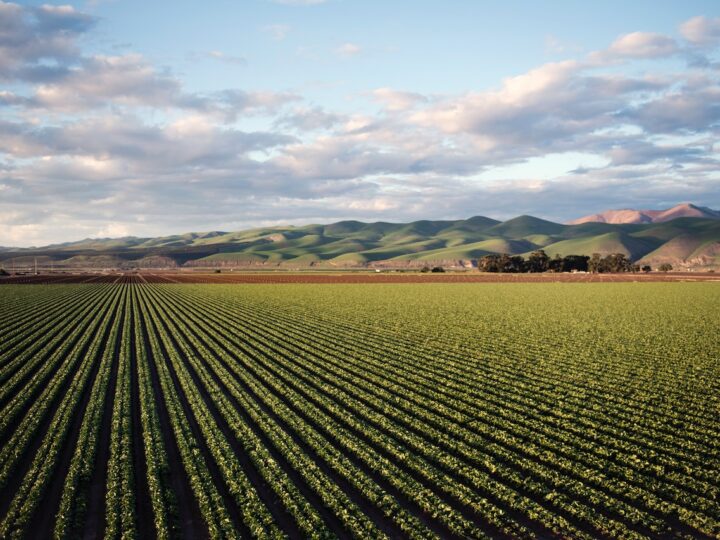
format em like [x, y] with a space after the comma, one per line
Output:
[355, 277]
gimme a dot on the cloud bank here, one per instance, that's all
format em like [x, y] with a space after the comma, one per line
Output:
[94, 145]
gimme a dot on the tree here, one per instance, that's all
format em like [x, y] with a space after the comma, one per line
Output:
[510, 263]
[617, 262]
[575, 263]
[425, 269]
[646, 268]
[538, 261]
[437, 269]
[596, 265]
[556, 264]
[489, 263]
[665, 267]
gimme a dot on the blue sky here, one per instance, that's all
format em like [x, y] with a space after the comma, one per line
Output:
[147, 118]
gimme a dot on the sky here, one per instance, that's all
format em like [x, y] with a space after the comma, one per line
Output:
[121, 117]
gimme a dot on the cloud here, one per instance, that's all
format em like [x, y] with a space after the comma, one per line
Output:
[226, 58]
[309, 119]
[691, 109]
[277, 31]
[554, 45]
[643, 152]
[348, 49]
[241, 101]
[636, 45]
[30, 35]
[701, 30]
[112, 230]
[643, 45]
[395, 100]
[115, 144]
[190, 141]
[99, 80]
[106, 82]
[557, 107]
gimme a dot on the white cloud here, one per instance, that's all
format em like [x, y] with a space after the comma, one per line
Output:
[638, 45]
[309, 119]
[112, 230]
[277, 31]
[227, 58]
[701, 30]
[29, 36]
[555, 46]
[396, 100]
[348, 49]
[110, 145]
[100, 80]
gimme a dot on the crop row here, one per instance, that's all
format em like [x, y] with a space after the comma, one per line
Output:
[370, 411]
[324, 365]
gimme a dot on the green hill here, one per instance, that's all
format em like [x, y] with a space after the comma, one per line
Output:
[684, 242]
[604, 244]
[522, 226]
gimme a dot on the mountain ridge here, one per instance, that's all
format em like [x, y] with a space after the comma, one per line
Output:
[684, 242]
[631, 215]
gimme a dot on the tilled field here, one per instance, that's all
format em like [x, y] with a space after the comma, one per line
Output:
[356, 277]
[132, 409]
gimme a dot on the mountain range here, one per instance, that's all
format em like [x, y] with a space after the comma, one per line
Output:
[684, 242]
[629, 215]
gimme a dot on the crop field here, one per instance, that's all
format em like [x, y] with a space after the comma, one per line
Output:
[452, 410]
[308, 277]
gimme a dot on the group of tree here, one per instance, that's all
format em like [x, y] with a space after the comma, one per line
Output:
[539, 261]
[610, 264]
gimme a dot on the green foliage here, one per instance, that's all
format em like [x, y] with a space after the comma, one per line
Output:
[538, 261]
[613, 263]
[468, 410]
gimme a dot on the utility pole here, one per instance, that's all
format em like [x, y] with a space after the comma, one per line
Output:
[36, 266]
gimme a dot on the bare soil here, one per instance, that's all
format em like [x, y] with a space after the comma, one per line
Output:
[355, 277]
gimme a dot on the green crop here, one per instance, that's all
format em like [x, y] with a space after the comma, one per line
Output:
[368, 411]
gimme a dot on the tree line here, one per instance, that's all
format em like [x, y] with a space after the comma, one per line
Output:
[539, 261]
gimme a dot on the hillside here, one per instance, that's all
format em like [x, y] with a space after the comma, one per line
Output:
[685, 242]
[629, 215]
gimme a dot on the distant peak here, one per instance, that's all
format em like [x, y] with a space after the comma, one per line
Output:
[630, 215]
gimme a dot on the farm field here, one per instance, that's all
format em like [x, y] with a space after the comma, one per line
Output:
[308, 277]
[140, 409]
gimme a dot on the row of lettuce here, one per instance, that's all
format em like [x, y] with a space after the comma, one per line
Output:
[251, 412]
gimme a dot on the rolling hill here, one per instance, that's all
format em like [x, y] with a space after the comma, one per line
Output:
[685, 242]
